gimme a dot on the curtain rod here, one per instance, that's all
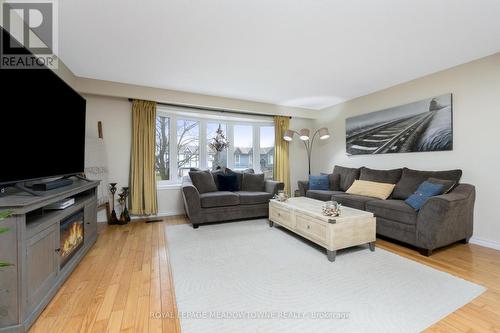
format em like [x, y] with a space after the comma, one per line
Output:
[212, 109]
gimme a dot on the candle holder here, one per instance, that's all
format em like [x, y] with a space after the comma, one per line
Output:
[113, 219]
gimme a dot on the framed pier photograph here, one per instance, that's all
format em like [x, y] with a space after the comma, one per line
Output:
[422, 126]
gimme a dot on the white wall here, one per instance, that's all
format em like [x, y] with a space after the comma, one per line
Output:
[476, 106]
[115, 114]
[117, 123]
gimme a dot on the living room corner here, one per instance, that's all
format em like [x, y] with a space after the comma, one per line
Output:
[249, 166]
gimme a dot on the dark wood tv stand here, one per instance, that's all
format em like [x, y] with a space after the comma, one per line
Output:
[33, 246]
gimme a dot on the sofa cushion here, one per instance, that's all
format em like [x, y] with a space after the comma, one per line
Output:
[352, 200]
[333, 181]
[448, 185]
[203, 181]
[395, 210]
[380, 176]
[254, 198]
[371, 189]
[396, 230]
[228, 182]
[239, 174]
[411, 180]
[321, 182]
[321, 194]
[219, 199]
[347, 177]
[253, 182]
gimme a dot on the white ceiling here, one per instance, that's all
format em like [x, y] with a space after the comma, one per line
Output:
[310, 54]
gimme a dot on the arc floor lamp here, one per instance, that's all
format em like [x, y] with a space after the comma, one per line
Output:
[304, 135]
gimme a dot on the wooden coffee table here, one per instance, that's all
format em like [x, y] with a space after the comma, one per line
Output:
[303, 216]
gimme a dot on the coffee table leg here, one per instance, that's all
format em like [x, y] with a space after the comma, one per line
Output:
[331, 255]
[372, 246]
[271, 223]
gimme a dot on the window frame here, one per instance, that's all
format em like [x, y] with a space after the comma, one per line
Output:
[229, 121]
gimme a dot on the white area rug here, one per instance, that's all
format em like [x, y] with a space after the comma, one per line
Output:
[228, 276]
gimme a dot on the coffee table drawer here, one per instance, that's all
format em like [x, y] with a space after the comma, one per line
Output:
[281, 216]
[307, 226]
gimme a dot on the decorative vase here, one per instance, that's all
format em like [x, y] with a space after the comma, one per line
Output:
[125, 192]
[123, 217]
[113, 219]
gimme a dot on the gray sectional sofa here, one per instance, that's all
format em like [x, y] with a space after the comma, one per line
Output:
[252, 201]
[443, 220]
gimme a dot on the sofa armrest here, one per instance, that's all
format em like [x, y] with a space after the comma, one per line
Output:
[447, 218]
[273, 186]
[192, 202]
[303, 187]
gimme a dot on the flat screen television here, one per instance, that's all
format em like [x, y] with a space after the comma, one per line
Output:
[42, 126]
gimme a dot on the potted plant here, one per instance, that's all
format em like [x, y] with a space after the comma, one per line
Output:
[3, 216]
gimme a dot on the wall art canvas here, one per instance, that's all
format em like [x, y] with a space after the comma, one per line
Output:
[422, 126]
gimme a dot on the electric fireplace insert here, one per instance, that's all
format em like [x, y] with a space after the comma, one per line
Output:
[71, 236]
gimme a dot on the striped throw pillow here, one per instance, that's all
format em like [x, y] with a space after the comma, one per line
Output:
[371, 189]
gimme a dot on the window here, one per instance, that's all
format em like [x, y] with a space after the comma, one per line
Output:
[162, 161]
[192, 139]
[266, 153]
[243, 146]
[217, 144]
[188, 146]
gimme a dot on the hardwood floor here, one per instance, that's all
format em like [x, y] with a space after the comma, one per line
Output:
[126, 277]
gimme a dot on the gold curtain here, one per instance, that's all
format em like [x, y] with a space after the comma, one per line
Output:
[143, 199]
[281, 161]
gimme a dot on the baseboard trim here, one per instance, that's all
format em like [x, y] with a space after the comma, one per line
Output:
[137, 217]
[160, 214]
[485, 243]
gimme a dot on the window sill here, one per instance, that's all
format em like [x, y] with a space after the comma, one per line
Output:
[173, 186]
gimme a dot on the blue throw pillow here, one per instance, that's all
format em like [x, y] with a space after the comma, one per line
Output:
[423, 193]
[319, 182]
[228, 182]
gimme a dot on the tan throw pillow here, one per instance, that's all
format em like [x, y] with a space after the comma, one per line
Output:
[371, 189]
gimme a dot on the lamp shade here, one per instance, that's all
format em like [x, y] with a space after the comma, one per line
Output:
[304, 134]
[288, 135]
[323, 133]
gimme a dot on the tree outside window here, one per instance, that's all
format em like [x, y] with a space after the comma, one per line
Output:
[162, 165]
[188, 146]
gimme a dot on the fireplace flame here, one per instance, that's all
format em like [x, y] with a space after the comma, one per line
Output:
[73, 239]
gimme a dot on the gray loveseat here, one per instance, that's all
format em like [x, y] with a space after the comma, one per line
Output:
[252, 201]
[443, 219]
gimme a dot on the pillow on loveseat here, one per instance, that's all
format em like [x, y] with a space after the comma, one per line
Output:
[371, 189]
[203, 181]
[228, 182]
[253, 182]
[239, 174]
